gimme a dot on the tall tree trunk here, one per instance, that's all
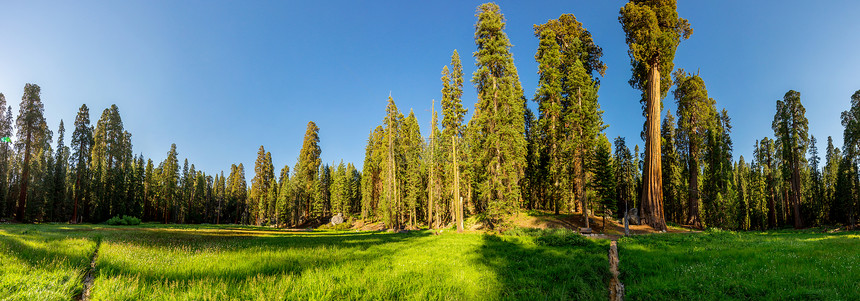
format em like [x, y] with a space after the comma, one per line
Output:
[25, 177]
[457, 197]
[795, 194]
[77, 197]
[693, 216]
[652, 185]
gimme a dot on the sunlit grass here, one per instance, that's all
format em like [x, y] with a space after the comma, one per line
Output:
[720, 265]
[41, 265]
[167, 262]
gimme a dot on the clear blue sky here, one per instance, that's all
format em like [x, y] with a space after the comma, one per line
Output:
[220, 79]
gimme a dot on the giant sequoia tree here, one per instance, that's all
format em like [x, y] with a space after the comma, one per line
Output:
[653, 31]
[790, 128]
[696, 114]
[844, 206]
[6, 203]
[498, 114]
[31, 136]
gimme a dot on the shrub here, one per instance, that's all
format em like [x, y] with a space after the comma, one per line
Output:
[123, 221]
[339, 227]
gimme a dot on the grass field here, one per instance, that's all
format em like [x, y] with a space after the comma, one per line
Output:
[38, 265]
[172, 262]
[722, 265]
[202, 262]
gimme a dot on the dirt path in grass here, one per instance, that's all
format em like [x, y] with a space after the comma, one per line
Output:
[616, 289]
[90, 275]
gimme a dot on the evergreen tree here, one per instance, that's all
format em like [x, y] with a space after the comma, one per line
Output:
[57, 193]
[306, 169]
[851, 150]
[150, 188]
[285, 198]
[413, 171]
[532, 184]
[718, 172]
[625, 175]
[831, 170]
[498, 114]
[261, 185]
[170, 184]
[814, 208]
[31, 137]
[452, 133]
[672, 170]
[790, 127]
[653, 32]
[549, 99]
[604, 177]
[696, 113]
[6, 203]
[340, 190]
[390, 204]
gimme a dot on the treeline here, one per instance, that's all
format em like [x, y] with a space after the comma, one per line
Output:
[97, 176]
[505, 158]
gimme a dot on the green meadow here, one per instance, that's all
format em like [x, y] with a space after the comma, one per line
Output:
[203, 262]
[724, 265]
[173, 262]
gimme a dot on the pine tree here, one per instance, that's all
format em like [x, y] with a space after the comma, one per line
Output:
[452, 133]
[150, 188]
[534, 169]
[306, 168]
[498, 115]
[653, 32]
[696, 114]
[413, 169]
[5, 157]
[815, 206]
[31, 136]
[790, 127]
[58, 182]
[831, 170]
[339, 190]
[672, 170]
[170, 184]
[575, 87]
[390, 203]
[851, 153]
[549, 99]
[625, 175]
[604, 177]
[285, 198]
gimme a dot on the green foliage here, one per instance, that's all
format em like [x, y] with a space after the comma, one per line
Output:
[790, 127]
[604, 176]
[498, 115]
[625, 175]
[125, 220]
[653, 31]
[306, 170]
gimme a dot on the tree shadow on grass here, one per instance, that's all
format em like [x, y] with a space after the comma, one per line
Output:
[532, 272]
[24, 245]
[255, 255]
